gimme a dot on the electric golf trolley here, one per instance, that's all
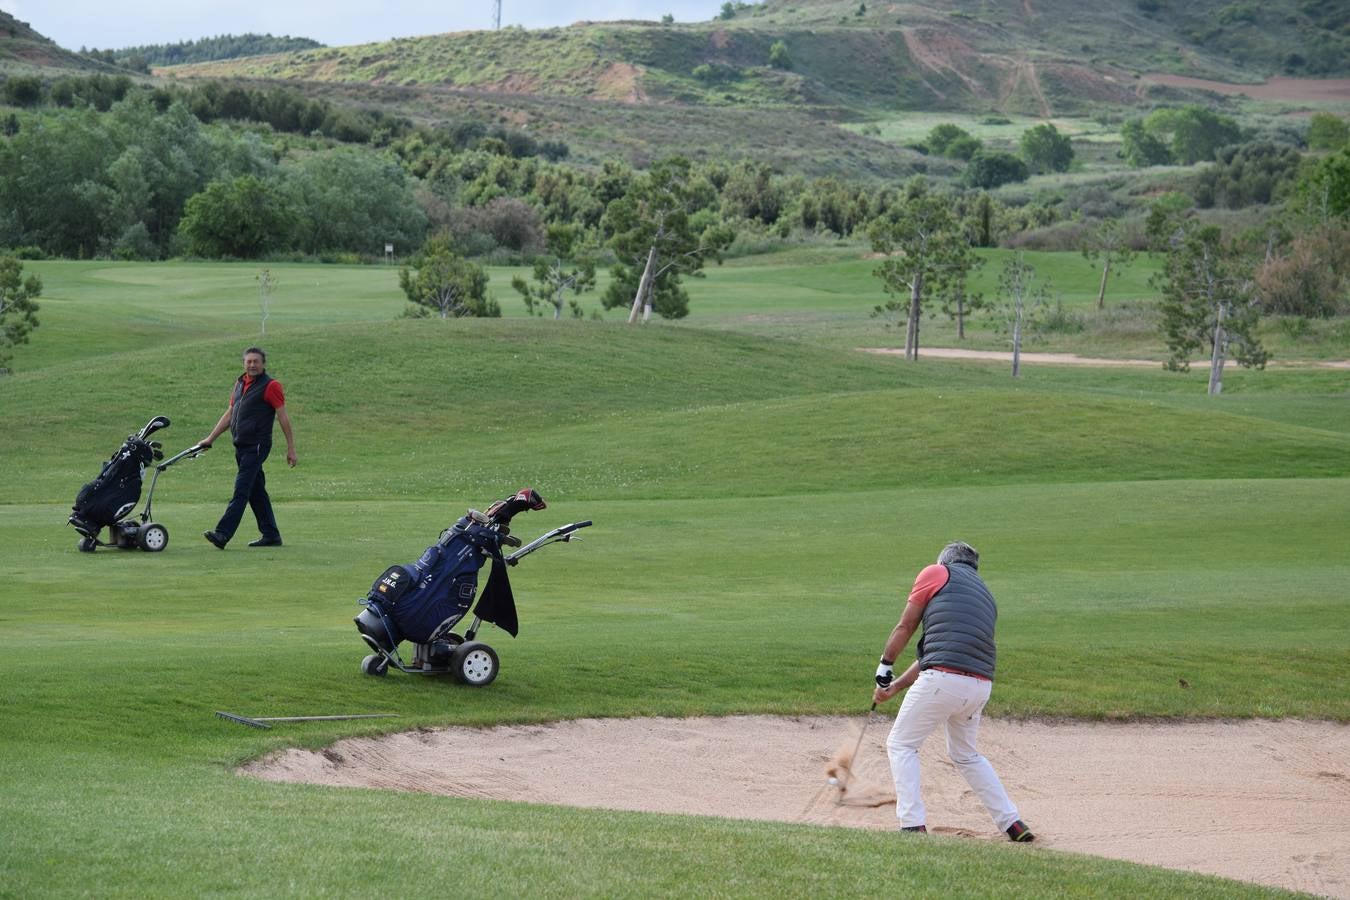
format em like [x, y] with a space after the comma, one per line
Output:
[423, 602]
[106, 501]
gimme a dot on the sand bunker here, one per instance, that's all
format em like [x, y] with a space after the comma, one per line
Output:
[1261, 801]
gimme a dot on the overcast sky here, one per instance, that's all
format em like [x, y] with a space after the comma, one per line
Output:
[113, 24]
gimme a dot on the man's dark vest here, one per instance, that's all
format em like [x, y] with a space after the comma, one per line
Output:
[958, 625]
[251, 416]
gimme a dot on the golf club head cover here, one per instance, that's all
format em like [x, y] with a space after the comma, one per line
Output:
[501, 511]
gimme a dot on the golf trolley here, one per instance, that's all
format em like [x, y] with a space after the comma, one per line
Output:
[424, 601]
[108, 499]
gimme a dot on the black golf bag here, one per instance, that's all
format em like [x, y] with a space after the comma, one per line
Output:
[422, 602]
[115, 492]
[106, 501]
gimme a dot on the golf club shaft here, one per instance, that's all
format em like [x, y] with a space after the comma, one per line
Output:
[852, 760]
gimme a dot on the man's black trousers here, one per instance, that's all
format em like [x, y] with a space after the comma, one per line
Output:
[250, 490]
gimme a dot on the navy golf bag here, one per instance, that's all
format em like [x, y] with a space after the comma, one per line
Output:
[423, 601]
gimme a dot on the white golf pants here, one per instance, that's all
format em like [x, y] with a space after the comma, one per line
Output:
[957, 702]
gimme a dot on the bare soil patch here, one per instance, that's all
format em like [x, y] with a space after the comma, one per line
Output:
[621, 82]
[1277, 88]
[1261, 801]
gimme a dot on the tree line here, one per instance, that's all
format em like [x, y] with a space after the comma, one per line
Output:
[155, 177]
[281, 108]
[225, 46]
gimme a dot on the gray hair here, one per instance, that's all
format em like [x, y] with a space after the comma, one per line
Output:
[257, 350]
[959, 552]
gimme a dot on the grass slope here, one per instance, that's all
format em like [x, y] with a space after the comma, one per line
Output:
[1046, 57]
[759, 506]
[22, 49]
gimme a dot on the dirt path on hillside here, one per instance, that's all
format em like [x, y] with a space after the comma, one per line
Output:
[1073, 359]
[1303, 90]
[1261, 801]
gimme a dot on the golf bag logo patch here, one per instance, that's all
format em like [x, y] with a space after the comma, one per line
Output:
[391, 585]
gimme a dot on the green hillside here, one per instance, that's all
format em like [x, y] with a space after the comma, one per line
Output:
[1045, 57]
[23, 48]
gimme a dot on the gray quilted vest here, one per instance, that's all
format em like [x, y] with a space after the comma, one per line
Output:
[958, 625]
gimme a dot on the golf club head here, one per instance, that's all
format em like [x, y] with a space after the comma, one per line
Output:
[154, 425]
[525, 498]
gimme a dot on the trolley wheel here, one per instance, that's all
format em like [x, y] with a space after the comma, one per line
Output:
[376, 665]
[87, 545]
[474, 663]
[153, 537]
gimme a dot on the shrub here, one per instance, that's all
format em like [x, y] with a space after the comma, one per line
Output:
[1065, 237]
[990, 170]
[1059, 320]
[942, 136]
[513, 224]
[23, 90]
[1251, 174]
[964, 147]
[136, 243]
[1327, 132]
[1309, 279]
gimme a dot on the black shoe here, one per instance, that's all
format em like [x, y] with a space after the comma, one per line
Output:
[1020, 833]
[216, 539]
[920, 829]
[266, 542]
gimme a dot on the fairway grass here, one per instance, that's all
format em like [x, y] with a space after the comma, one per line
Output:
[760, 507]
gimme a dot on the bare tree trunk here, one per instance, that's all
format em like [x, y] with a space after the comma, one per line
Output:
[1017, 337]
[644, 287]
[912, 324]
[960, 313]
[1101, 291]
[557, 304]
[1216, 358]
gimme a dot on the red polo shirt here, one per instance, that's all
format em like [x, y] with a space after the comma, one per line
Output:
[274, 395]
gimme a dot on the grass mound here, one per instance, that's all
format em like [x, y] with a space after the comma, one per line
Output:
[759, 504]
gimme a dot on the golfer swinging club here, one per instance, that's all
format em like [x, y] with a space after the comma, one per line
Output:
[949, 684]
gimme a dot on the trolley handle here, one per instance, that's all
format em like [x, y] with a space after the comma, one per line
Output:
[192, 452]
[562, 534]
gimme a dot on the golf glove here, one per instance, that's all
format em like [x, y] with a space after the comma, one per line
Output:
[885, 674]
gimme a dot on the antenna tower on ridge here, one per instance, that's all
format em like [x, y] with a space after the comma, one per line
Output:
[496, 15]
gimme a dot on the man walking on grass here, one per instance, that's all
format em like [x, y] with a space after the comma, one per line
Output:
[949, 684]
[256, 401]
